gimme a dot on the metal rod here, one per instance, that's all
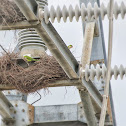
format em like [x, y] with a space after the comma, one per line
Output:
[106, 90]
[19, 25]
[58, 83]
[87, 47]
[84, 94]
[88, 107]
[105, 61]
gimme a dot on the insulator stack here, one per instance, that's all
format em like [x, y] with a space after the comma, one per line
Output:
[86, 13]
[42, 3]
[99, 72]
[29, 42]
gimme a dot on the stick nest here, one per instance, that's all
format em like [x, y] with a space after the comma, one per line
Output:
[9, 12]
[27, 80]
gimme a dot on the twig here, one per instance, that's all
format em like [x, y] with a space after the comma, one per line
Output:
[5, 50]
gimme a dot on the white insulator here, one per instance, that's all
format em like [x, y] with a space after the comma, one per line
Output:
[104, 70]
[116, 10]
[53, 14]
[71, 13]
[29, 41]
[91, 72]
[96, 10]
[123, 10]
[116, 72]
[58, 14]
[77, 12]
[90, 12]
[103, 11]
[98, 72]
[122, 71]
[108, 10]
[87, 73]
[46, 14]
[65, 13]
[83, 11]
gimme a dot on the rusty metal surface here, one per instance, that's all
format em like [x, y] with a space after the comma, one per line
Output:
[31, 114]
[95, 62]
[23, 114]
[109, 111]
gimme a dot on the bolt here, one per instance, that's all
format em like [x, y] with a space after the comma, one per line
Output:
[81, 116]
[23, 120]
[29, 110]
[103, 87]
[11, 108]
[81, 107]
[14, 112]
[23, 110]
[102, 81]
[7, 123]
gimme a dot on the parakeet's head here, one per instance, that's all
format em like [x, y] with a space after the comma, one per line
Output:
[70, 46]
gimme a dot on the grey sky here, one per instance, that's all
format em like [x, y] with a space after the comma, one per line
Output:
[72, 34]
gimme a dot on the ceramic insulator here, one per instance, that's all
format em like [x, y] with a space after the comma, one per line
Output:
[86, 13]
[91, 72]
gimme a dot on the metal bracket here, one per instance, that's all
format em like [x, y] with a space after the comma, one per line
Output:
[23, 114]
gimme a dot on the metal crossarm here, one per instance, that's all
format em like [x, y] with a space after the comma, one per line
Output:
[59, 49]
[85, 59]
[19, 25]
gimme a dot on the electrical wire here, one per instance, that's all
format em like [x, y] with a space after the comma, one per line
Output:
[37, 99]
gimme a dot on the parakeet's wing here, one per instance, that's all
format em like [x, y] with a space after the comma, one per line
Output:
[29, 59]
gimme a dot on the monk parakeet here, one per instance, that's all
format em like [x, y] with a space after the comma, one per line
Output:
[70, 46]
[30, 59]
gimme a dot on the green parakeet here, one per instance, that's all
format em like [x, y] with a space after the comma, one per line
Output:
[70, 46]
[30, 59]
